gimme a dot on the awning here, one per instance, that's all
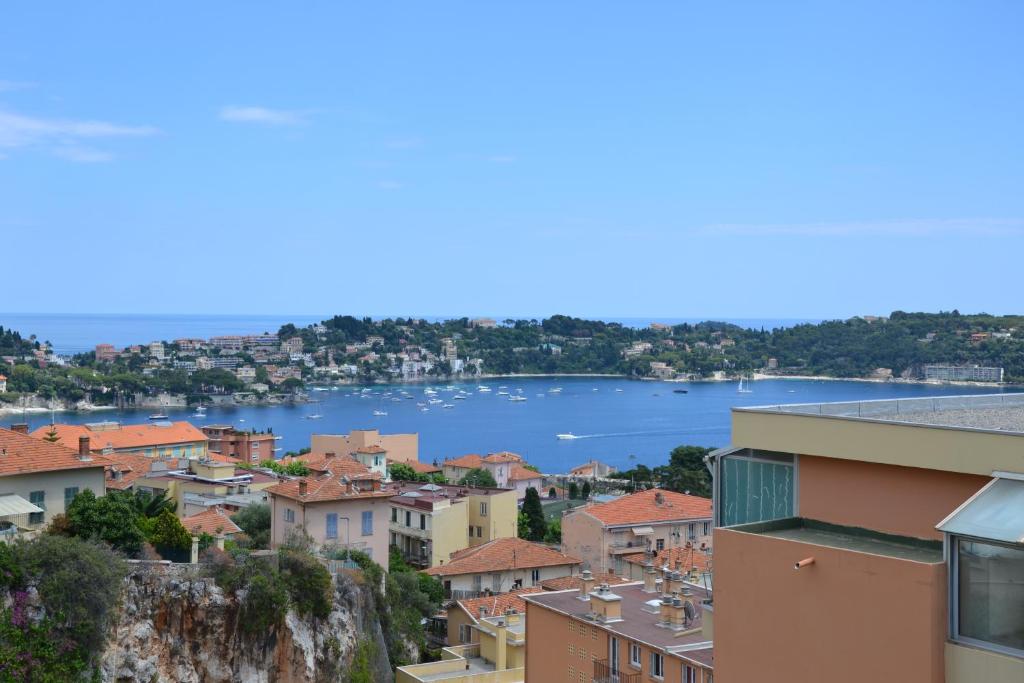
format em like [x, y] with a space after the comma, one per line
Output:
[996, 512]
[11, 505]
[643, 530]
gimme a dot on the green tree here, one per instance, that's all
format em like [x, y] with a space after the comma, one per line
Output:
[254, 520]
[522, 526]
[111, 519]
[167, 531]
[308, 582]
[51, 434]
[585, 491]
[534, 512]
[402, 472]
[574, 490]
[554, 532]
[552, 493]
[152, 504]
[480, 478]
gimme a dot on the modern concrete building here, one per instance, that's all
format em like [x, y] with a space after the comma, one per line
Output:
[878, 540]
[201, 484]
[653, 630]
[601, 534]
[430, 522]
[962, 373]
[249, 446]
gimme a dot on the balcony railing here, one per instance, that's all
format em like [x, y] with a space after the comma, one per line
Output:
[605, 674]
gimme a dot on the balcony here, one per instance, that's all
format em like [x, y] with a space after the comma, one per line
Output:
[605, 674]
[411, 531]
[625, 547]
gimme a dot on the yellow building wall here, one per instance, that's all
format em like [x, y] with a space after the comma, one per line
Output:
[449, 532]
[500, 520]
[971, 665]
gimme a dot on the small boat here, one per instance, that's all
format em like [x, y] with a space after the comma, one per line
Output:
[424, 409]
[458, 397]
[568, 436]
[435, 401]
[448, 405]
[555, 390]
[380, 413]
[502, 393]
[320, 389]
[484, 390]
[157, 416]
[421, 404]
[679, 391]
[744, 388]
[619, 390]
[517, 398]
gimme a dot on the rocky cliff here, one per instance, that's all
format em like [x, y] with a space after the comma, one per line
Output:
[174, 624]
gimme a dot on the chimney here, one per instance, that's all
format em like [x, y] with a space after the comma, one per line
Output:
[302, 487]
[666, 610]
[586, 584]
[83, 446]
[605, 605]
[20, 427]
[329, 455]
[650, 578]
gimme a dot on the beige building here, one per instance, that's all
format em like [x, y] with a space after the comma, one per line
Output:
[398, 447]
[456, 468]
[601, 534]
[500, 566]
[337, 511]
[430, 522]
[196, 485]
[39, 479]
[498, 656]
[904, 522]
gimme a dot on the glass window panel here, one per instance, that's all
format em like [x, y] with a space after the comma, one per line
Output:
[755, 491]
[991, 593]
[996, 513]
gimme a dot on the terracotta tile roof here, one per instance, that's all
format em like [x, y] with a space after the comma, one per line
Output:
[127, 436]
[504, 456]
[336, 464]
[327, 488]
[520, 473]
[573, 582]
[371, 449]
[582, 470]
[643, 507]
[679, 559]
[497, 604]
[471, 461]
[22, 454]
[213, 521]
[133, 466]
[421, 467]
[501, 554]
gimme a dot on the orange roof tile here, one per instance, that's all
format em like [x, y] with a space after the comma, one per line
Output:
[471, 461]
[421, 467]
[644, 507]
[501, 554]
[126, 436]
[504, 456]
[520, 473]
[213, 521]
[23, 454]
[132, 466]
[679, 559]
[563, 583]
[326, 462]
[326, 488]
[371, 449]
[497, 604]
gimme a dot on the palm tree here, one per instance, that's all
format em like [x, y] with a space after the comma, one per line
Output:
[152, 504]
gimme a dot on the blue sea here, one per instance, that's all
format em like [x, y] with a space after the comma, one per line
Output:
[619, 421]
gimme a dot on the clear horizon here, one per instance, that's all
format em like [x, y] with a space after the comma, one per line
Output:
[815, 161]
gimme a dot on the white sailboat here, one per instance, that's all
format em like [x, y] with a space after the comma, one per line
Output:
[744, 388]
[316, 413]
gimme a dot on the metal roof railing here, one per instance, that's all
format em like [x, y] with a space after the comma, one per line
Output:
[895, 408]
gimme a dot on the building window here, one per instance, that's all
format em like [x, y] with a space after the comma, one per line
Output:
[408, 518]
[289, 515]
[989, 595]
[755, 486]
[37, 498]
[394, 515]
[535, 576]
[69, 495]
[465, 633]
[634, 655]
[332, 525]
[483, 509]
[478, 582]
[657, 665]
[471, 531]
[423, 522]
[689, 674]
[572, 650]
[368, 523]
[479, 532]
[659, 544]
[691, 531]
[255, 445]
[706, 528]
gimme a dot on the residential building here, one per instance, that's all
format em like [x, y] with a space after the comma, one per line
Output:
[399, 447]
[3, 383]
[500, 466]
[600, 534]
[292, 345]
[456, 468]
[213, 521]
[106, 353]
[594, 469]
[662, 370]
[430, 522]
[156, 439]
[418, 467]
[335, 510]
[962, 373]
[905, 523]
[629, 633]
[156, 350]
[246, 374]
[230, 342]
[576, 581]
[500, 566]
[464, 615]
[205, 483]
[38, 479]
[498, 657]
[245, 445]
[123, 469]
[522, 478]
[486, 323]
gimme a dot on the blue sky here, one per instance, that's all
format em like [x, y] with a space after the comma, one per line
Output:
[789, 159]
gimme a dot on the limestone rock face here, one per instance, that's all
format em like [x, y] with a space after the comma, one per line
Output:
[176, 625]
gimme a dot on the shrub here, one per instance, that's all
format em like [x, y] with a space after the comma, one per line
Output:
[266, 599]
[111, 519]
[168, 532]
[479, 477]
[308, 582]
[255, 522]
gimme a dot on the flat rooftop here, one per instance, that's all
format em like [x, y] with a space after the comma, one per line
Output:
[638, 621]
[999, 412]
[847, 538]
